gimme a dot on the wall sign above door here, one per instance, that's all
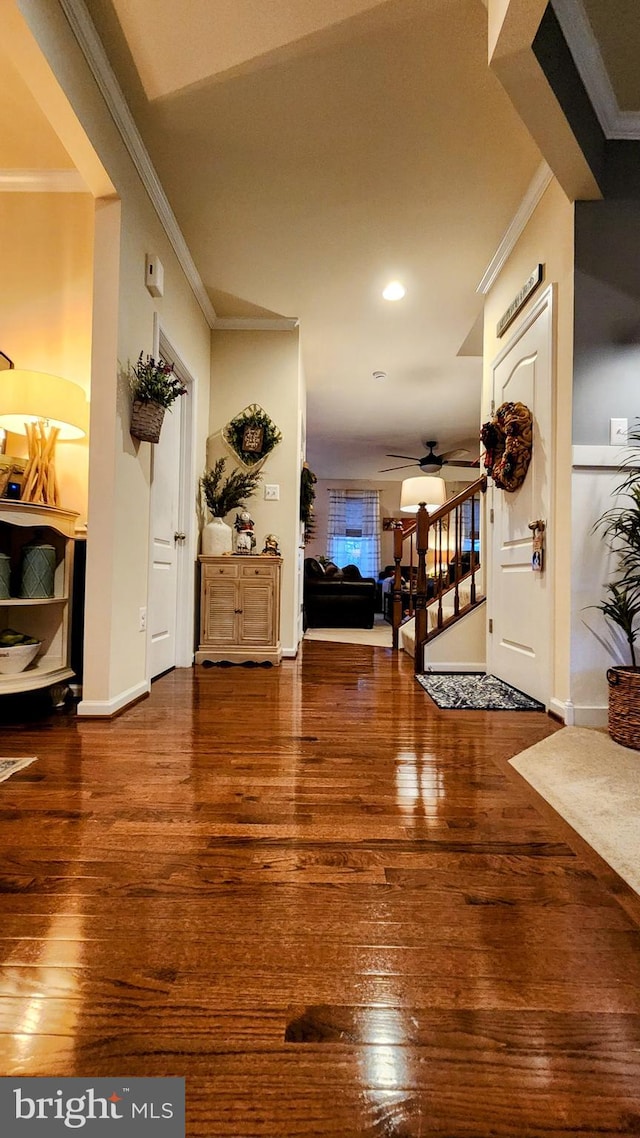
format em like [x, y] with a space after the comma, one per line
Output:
[520, 299]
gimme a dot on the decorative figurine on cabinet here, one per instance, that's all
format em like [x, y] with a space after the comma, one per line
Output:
[245, 540]
[271, 545]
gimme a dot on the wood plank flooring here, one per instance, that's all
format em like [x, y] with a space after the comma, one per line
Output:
[330, 906]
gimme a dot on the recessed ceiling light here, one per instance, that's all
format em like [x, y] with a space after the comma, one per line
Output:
[394, 291]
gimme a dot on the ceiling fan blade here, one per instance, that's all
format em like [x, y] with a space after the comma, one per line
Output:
[388, 468]
[449, 454]
[410, 456]
[463, 462]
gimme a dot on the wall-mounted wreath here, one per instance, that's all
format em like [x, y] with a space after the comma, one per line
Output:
[307, 498]
[251, 435]
[507, 439]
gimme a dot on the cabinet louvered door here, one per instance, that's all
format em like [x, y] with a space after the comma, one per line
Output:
[256, 618]
[219, 617]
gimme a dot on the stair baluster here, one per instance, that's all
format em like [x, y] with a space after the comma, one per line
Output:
[441, 533]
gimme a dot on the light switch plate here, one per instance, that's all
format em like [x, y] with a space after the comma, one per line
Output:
[618, 432]
[272, 493]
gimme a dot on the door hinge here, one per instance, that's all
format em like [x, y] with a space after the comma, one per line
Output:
[491, 515]
[490, 624]
[493, 406]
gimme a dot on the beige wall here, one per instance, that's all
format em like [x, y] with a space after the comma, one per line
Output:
[119, 480]
[548, 238]
[263, 368]
[46, 304]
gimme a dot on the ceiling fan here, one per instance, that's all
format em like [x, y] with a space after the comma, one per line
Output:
[431, 463]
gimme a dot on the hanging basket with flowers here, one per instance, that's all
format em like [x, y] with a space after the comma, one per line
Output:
[154, 386]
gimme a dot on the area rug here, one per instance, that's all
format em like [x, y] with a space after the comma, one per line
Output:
[10, 766]
[377, 637]
[464, 691]
[594, 784]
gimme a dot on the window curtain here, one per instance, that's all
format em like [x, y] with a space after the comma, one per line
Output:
[337, 520]
[353, 529]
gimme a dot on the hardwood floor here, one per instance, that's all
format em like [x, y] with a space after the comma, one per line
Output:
[328, 904]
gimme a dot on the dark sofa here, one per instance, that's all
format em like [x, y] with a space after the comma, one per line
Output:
[337, 598]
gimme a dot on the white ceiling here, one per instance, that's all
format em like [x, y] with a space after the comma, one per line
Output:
[311, 151]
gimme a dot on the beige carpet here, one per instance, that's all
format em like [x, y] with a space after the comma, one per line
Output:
[594, 784]
[377, 637]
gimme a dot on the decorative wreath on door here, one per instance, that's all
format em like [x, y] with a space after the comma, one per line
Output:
[507, 440]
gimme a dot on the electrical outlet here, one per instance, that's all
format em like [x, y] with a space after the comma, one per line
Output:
[272, 493]
[618, 432]
[142, 615]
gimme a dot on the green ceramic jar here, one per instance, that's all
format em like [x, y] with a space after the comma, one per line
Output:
[38, 571]
[5, 573]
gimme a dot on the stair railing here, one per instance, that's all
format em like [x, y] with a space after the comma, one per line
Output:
[441, 535]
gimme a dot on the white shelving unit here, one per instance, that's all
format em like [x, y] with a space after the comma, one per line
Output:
[47, 618]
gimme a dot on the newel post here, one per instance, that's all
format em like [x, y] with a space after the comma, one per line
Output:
[396, 606]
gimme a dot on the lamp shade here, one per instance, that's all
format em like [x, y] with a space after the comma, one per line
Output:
[431, 491]
[27, 396]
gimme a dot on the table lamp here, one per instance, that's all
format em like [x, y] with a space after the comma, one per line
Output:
[45, 408]
[424, 489]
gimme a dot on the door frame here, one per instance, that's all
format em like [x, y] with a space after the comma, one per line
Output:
[547, 299]
[186, 552]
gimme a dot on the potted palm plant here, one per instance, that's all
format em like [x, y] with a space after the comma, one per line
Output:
[222, 495]
[154, 386]
[620, 527]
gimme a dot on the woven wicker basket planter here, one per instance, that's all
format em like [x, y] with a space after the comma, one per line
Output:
[624, 706]
[146, 421]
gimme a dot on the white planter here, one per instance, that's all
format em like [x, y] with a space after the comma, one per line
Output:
[216, 538]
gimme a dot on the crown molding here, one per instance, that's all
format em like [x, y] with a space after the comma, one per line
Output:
[42, 182]
[584, 47]
[256, 324]
[91, 46]
[541, 179]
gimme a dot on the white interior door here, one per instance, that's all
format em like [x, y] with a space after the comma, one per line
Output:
[165, 500]
[520, 600]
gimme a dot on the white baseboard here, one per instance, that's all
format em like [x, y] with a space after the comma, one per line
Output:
[478, 666]
[289, 653]
[105, 708]
[591, 716]
[564, 709]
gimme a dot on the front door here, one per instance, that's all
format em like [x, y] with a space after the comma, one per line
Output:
[163, 585]
[520, 600]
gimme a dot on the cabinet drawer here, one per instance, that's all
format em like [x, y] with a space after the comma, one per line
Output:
[211, 572]
[257, 571]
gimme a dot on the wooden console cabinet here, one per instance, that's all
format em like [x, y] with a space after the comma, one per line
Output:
[47, 618]
[240, 609]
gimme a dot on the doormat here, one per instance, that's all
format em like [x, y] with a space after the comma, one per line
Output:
[10, 766]
[475, 691]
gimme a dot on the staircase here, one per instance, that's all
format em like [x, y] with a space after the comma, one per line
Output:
[449, 580]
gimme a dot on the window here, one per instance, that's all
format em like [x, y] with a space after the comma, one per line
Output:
[353, 531]
[471, 525]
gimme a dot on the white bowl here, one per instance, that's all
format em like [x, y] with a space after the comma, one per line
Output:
[17, 657]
